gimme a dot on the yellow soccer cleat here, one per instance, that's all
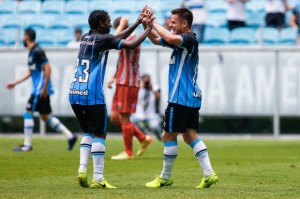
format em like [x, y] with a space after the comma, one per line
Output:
[122, 156]
[82, 179]
[159, 182]
[103, 185]
[208, 181]
[144, 145]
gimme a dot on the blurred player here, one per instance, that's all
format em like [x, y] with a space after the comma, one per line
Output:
[40, 71]
[147, 109]
[182, 113]
[125, 98]
[86, 92]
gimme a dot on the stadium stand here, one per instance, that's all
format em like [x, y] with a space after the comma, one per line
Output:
[65, 36]
[58, 15]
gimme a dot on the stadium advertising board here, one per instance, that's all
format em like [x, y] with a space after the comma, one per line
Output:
[233, 83]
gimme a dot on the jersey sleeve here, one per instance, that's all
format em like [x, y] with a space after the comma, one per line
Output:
[166, 44]
[186, 40]
[40, 57]
[112, 42]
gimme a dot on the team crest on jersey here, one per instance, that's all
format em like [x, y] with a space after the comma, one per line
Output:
[172, 60]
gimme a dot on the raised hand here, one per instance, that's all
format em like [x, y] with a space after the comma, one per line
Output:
[142, 15]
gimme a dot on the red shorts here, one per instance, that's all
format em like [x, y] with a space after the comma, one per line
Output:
[125, 99]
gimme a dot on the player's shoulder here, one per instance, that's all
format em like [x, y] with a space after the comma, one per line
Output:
[37, 49]
[188, 35]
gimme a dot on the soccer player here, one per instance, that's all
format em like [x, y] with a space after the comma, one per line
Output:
[40, 71]
[125, 99]
[182, 113]
[86, 94]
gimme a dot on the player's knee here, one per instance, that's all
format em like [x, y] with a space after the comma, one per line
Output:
[166, 137]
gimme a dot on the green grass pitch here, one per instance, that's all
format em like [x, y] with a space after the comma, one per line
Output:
[246, 169]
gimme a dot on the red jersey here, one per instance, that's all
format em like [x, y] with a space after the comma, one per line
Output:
[128, 66]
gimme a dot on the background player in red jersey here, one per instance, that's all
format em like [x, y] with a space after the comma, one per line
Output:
[125, 99]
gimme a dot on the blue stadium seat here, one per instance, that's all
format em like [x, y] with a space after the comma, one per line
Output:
[269, 36]
[61, 22]
[81, 21]
[96, 5]
[216, 36]
[8, 7]
[123, 7]
[288, 36]
[155, 5]
[12, 21]
[242, 36]
[255, 20]
[38, 21]
[216, 20]
[53, 7]
[46, 37]
[12, 37]
[170, 5]
[29, 7]
[219, 7]
[288, 16]
[255, 6]
[76, 7]
[3, 38]
[65, 36]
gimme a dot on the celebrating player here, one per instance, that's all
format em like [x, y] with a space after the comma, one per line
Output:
[39, 70]
[182, 113]
[86, 92]
[125, 98]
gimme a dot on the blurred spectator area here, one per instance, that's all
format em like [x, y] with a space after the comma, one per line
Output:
[55, 21]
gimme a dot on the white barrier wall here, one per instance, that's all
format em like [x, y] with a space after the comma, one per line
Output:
[234, 83]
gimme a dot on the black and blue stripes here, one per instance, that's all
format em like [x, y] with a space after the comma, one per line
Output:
[168, 146]
[86, 145]
[98, 140]
[201, 151]
[171, 119]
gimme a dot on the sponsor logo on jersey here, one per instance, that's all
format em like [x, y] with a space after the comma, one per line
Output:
[87, 37]
[119, 105]
[197, 94]
[75, 92]
[88, 43]
[32, 66]
[172, 60]
[28, 106]
[133, 105]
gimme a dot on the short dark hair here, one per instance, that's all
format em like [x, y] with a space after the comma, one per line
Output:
[30, 33]
[146, 75]
[184, 14]
[117, 22]
[95, 17]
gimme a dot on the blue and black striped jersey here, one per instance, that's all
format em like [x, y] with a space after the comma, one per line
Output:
[36, 61]
[87, 85]
[183, 72]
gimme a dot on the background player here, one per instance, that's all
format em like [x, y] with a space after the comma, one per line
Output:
[147, 115]
[86, 92]
[125, 98]
[182, 113]
[40, 71]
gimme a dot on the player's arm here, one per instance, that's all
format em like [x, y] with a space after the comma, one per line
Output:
[139, 39]
[21, 79]
[167, 35]
[293, 21]
[111, 81]
[153, 36]
[123, 24]
[47, 70]
[125, 33]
